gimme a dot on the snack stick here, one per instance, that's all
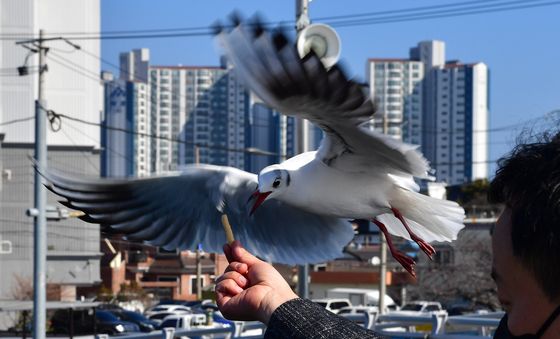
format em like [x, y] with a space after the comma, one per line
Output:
[227, 228]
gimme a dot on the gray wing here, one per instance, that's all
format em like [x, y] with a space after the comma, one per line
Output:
[181, 210]
[270, 66]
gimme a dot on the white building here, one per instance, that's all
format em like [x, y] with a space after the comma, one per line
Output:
[443, 107]
[72, 87]
[396, 86]
[432, 54]
[134, 65]
[72, 84]
[203, 109]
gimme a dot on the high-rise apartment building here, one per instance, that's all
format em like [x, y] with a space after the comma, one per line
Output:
[443, 107]
[191, 114]
[134, 65]
[72, 87]
[460, 136]
[127, 107]
[396, 86]
[432, 55]
[203, 110]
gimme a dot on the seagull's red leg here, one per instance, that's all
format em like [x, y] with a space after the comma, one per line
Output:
[427, 248]
[406, 261]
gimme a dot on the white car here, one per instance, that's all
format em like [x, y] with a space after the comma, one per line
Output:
[359, 310]
[420, 307]
[171, 308]
[333, 305]
[184, 321]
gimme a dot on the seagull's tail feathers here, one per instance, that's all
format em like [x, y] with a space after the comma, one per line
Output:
[429, 218]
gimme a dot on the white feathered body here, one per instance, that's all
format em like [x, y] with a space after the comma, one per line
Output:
[322, 189]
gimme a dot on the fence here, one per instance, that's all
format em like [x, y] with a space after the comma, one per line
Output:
[396, 326]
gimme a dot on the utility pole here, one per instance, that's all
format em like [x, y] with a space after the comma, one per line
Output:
[383, 248]
[40, 197]
[198, 249]
[38, 212]
[198, 272]
[302, 140]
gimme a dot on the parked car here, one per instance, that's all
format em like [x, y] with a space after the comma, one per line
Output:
[185, 321]
[83, 322]
[159, 316]
[359, 310]
[171, 308]
[360, 296]
[460, 309]
[145, 324]
[111, 324]
[190, 303]
[333, 305]
[420, 307]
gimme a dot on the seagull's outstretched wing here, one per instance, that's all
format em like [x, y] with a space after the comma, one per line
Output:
[270, 66]
[183, 209]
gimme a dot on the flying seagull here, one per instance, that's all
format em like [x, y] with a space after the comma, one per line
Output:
[295, 212]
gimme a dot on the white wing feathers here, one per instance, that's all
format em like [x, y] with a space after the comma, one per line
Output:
[269, 65]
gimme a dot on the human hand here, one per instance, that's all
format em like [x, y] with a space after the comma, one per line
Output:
[250, 289]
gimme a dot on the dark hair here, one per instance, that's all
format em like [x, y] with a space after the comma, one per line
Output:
[528, 182]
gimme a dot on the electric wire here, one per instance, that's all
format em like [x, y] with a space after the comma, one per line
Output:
[83, 72]
[416, 13]
[77, 66]
[95, 166]
[435, 15]
[15, 121]
[156, 136]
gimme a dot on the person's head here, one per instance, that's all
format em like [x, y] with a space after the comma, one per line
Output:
[526, 239]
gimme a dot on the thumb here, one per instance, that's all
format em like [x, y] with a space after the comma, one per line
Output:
[240, 254]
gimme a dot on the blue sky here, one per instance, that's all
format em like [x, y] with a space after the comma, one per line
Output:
[520, 47]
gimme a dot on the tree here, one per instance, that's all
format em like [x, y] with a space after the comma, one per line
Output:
[465, 279]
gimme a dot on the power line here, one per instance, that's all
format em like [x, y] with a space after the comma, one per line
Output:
[156, 136]
[95, 166]
[424, 16]
[15, 121]
[403, 10]
[104, 146]
[422, 13]
[75, 69]
[496, 129]
[77, 66]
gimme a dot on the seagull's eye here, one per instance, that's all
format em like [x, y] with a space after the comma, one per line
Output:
[276, 183]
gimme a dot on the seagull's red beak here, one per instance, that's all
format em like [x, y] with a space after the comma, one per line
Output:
[259, 199]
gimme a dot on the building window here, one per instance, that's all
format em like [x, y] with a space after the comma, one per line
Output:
[194, 287]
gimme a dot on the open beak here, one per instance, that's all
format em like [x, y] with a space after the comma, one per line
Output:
[259, 199]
